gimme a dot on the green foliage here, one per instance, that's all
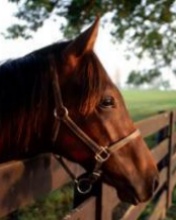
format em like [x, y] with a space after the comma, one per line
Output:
[16, 31]
[148, 26]
[55, 206]
[136, 78]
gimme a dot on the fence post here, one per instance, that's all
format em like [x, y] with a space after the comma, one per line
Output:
[169, 177]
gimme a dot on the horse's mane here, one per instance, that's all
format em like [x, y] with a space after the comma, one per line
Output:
[26, 94]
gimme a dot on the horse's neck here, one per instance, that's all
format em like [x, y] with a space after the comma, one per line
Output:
[24, 109]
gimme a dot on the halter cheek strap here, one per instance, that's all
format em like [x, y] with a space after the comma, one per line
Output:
[102, 153]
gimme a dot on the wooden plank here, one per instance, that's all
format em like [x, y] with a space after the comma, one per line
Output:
[25, 181]
[174, 114]
[174, 152]
[162, 178]
[173, 181]
[86, 211]
[174, 163]
[174, 137]
[153, 124]
[161, 150]
[134, 212]
[109, 201]
[174, 141]
[160, 208]
[174, 157]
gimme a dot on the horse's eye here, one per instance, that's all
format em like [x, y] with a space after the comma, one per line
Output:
[107, 102]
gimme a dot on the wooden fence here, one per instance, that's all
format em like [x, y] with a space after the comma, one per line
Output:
[22, 182]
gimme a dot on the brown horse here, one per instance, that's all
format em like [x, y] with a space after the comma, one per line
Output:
[90, 124]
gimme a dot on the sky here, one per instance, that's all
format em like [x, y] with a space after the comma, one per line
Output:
[111, 56]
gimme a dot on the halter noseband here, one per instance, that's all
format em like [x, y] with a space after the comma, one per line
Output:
[102, 153]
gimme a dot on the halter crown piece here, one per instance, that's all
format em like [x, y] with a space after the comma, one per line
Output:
[102, 153]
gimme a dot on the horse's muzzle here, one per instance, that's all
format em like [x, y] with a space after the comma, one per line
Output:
[140, 193]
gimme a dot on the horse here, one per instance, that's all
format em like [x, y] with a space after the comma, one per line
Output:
[60, 100]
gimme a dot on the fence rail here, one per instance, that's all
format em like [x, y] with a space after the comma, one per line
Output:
[22, 182]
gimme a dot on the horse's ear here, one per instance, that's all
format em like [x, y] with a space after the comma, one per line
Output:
[83, 43]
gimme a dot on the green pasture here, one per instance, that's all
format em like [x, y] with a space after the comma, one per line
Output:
[145, 103]
[141, 104]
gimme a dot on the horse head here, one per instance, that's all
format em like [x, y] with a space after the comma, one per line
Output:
[96, 129]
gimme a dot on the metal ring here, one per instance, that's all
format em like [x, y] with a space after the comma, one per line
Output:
[84, 185]
[60, 113]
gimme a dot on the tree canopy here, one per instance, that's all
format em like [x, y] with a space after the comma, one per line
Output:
[148, 26]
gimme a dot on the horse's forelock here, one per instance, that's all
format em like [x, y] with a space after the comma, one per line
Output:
[92, 80]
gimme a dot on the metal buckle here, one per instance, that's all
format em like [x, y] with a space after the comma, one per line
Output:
[102, 155]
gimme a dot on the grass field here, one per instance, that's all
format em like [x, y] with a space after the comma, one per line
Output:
[141, 104]
[144, 103]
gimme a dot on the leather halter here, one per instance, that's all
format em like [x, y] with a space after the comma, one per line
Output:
[102, 153]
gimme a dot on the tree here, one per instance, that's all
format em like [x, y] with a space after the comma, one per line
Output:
[148, 26]
[136, 78]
